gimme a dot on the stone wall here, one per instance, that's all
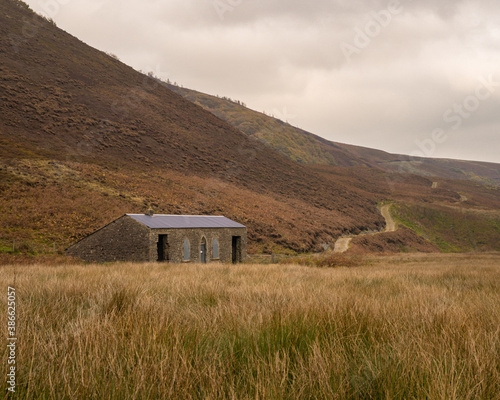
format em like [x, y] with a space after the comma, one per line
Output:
[176, 239]
[122, 240]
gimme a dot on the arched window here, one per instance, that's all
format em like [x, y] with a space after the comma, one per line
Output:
[215, 248]
[203, 250]
[186, 250]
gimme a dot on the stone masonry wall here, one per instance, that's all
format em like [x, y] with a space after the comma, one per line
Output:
[176, 239]
[122, 240]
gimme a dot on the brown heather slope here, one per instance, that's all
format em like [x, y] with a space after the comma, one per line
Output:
[84, 138]
[307, 148]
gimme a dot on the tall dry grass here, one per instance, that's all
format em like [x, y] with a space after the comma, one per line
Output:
[399, 328]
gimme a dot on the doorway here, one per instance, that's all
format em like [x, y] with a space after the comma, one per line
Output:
[236, 249]
[162, 246]
[203, 251]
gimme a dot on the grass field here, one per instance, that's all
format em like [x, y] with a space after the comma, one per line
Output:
[412, 327]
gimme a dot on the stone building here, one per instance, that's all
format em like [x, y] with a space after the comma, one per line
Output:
[170, 238]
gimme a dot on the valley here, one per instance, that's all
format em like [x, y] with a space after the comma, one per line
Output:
[85, 138]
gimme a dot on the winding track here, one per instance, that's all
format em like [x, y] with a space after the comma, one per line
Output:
[342, 244]
[390, 225]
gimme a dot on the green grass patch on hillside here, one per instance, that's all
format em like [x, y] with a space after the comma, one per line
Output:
[452, 230]
[277, 134]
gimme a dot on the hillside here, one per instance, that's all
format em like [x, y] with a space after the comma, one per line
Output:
[426, 184]
[307, 148]
[85, 138]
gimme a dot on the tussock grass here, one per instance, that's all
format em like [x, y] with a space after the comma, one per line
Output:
[410, 328]
[326, 260]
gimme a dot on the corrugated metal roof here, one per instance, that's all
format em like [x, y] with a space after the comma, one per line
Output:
[162, 221]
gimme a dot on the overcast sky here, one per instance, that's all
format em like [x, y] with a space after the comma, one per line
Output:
[410, 76]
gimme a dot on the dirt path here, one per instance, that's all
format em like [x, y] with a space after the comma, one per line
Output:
[463, 198]
[342, 244]
[390, 225]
